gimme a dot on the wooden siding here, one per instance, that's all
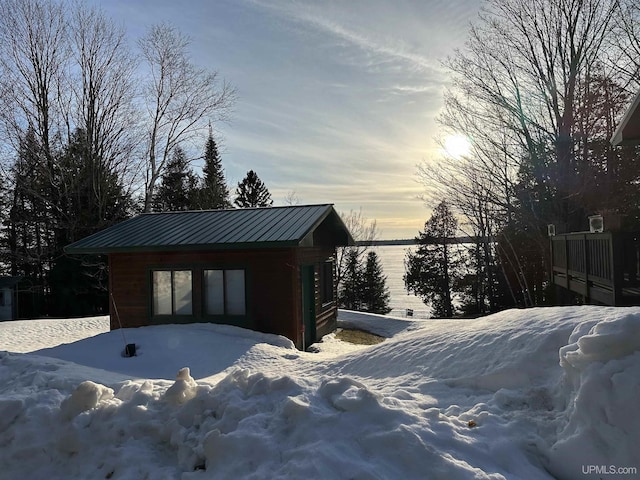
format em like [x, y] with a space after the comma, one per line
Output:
[326, 315]
[602, 267]
[273, 288]
[269, 282]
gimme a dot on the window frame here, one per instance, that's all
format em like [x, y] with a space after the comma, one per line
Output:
[171, 270]
[225, 298]
[327, 283]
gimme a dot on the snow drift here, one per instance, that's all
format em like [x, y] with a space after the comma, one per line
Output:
[524, 394]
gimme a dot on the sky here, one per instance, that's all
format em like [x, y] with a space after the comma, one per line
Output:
[337, 100]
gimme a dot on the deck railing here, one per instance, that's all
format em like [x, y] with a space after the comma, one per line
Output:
[602, 267]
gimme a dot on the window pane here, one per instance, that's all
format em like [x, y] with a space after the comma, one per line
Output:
[214, 292]
[326, 291]
[162, 293]
[234, 289]
[182, 292]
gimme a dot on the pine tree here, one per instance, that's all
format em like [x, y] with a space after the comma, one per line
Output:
[91, 198]
[251, 192]
[432, 269]
[350, 295]
[214, 193]
[374, 291]
[178, 187]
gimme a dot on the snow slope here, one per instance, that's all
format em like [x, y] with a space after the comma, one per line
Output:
[523, 394]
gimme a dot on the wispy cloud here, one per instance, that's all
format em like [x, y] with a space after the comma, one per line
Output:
[319, 16]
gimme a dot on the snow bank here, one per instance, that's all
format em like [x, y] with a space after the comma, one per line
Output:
[164, 349]
[25, 336]
[602, 367]
[515, 395]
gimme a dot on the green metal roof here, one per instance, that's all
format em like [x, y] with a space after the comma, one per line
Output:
[218, 229]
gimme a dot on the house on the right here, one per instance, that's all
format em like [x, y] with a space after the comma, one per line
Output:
[628, 132]
[602, 264]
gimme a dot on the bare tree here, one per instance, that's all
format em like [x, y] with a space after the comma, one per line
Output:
[180, 99]
[520, 76]
[291, 198]
[103, 85]
[625, 57]
[33, 58]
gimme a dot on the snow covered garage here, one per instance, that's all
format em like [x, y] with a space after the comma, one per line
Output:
[266, 269]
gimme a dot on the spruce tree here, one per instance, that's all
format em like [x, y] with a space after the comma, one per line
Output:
[91, 198]
[214, 193]
[178, 187]
[433, 268]
[350, 294]
[251, 192]
[374, 291]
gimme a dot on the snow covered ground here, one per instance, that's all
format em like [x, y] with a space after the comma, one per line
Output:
[523, 394]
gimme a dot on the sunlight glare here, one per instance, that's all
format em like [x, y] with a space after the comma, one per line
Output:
[457, 146]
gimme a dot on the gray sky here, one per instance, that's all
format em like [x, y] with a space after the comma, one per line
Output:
[337, 100]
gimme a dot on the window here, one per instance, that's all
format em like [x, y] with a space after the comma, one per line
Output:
[172, 292]
[326, 283]
[224, 292]
[2, 300]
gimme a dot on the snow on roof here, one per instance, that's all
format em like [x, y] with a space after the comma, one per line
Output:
[523, 394]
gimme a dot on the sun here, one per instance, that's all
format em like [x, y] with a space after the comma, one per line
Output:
[457, 146]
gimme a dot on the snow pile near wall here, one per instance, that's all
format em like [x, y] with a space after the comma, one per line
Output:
[602, 366]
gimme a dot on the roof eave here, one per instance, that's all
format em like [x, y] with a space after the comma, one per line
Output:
[178, 248]
[622, 135]
[307, 237]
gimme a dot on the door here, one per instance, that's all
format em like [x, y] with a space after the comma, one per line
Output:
[308, 305]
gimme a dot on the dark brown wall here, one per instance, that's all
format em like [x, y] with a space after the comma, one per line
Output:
[273, 287]
[326, 315]
[270, 290]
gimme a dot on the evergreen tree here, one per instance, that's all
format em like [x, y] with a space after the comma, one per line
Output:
[214, 193]
[350, 295]
[91, 198]
[251, 192]
[432, 269]
[375, 294]
[29, 223]
[178, 187]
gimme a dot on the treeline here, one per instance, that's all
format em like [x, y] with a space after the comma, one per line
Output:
[539, 89]
[93, 131]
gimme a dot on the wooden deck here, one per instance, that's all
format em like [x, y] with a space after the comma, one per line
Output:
[602, 267]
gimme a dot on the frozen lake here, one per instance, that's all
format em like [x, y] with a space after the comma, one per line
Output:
[392, 260]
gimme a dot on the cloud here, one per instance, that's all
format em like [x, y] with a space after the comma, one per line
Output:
[380, 49]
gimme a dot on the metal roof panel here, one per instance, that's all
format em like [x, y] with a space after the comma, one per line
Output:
[233, 228]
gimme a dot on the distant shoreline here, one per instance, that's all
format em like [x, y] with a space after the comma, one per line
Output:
[412, 241]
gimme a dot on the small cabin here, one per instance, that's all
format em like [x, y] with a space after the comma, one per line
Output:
[267, 269]
[8, 297]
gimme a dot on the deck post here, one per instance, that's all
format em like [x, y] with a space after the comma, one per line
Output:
[585, 262]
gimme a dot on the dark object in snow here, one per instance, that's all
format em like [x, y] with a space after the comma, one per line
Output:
[129, 350]
[409, 312]
[472, 424]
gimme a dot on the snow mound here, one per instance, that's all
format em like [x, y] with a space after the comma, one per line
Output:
[184, 388]
[602, 368]
[88, 395]
[520, 395]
